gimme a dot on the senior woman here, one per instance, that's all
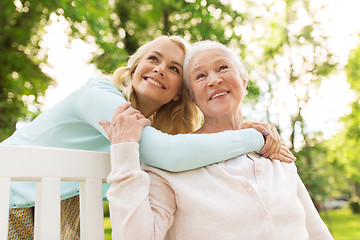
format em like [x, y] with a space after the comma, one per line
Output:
[246, 197]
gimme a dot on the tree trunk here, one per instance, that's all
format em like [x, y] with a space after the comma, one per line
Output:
[166, 21]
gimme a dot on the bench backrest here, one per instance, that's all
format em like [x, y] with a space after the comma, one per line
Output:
[48, 167]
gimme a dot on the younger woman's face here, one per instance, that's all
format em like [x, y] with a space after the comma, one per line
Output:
[158, 77]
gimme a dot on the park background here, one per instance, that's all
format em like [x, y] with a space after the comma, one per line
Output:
[303, 57]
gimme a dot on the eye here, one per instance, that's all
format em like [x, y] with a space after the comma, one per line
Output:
[153, 58]
[175, 69]
[199, 76]
[223, 67]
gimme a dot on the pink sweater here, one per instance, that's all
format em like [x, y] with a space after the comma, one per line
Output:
[261, 199]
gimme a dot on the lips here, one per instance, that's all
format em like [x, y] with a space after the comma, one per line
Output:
[155, 82]
[218, 93]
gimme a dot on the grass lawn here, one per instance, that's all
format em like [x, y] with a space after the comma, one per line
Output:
[342, 223]
[107, 227]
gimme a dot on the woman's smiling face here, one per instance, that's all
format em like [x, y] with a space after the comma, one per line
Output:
[158, 76]
[216, 83]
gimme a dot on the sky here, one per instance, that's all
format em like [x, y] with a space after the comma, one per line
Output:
[69, 66]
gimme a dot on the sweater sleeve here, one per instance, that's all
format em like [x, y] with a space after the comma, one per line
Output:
[183, 152]
[135, 211]
[315, 225]
[98, 100]
[174, 153]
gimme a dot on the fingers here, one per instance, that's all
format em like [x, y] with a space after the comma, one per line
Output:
[105, 124]
[259, 128]
[270, 146]
[273, 141]
[285, 155]
[124, 111]
[283, 158]
[276, 140]
[271, 135]
[120, 109]
[126, 125]
[145, 122]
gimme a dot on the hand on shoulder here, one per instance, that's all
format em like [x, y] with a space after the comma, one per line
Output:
[126, 125]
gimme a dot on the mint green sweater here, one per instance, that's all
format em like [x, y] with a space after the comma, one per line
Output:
[73, 123]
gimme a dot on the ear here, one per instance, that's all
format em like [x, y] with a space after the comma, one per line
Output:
[245, 83]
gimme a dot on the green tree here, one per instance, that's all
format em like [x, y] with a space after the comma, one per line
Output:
[289, 57]
[344, 147]
[118, 28]
[22, 83]
[134, 22]
[293, 57]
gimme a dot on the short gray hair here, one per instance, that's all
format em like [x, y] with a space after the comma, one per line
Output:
[208, 45]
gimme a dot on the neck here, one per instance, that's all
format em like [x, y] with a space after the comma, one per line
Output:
[221, 123]
[146, 106]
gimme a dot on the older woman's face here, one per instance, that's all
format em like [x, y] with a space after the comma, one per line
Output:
[216, 83]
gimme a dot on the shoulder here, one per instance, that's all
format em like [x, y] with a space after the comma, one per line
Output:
[158, 176]
[150, 169]
[157, 173]
[277, 164]
[101, 84]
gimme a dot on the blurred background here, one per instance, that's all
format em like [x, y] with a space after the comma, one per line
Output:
[303, 57]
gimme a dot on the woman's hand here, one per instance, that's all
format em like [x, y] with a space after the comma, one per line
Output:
[126, 125]
[273, 145]
[285, 155]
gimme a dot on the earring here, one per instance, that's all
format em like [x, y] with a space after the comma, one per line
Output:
[177, 97]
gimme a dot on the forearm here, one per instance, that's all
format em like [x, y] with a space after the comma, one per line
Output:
[129, 201]
[183, 152]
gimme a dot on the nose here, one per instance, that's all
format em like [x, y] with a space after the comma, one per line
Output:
[214, 80]
[159, 69]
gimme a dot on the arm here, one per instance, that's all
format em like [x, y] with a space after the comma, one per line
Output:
[314, 224]
[189, 151]
[135, 211]
[99, 100]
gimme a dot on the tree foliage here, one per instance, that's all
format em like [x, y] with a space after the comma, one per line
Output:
[117, 27]
[293, 57]
[22, 83]
[290, 57]
[21, 80]
[344, 148]
[134, 22]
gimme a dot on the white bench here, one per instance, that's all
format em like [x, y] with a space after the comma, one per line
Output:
[49, 166]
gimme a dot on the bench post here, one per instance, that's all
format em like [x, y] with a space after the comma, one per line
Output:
[47, 209]
[91, 210]
[4, 207]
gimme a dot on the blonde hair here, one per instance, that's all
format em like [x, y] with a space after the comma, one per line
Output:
[174, 117]
[206, 46]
